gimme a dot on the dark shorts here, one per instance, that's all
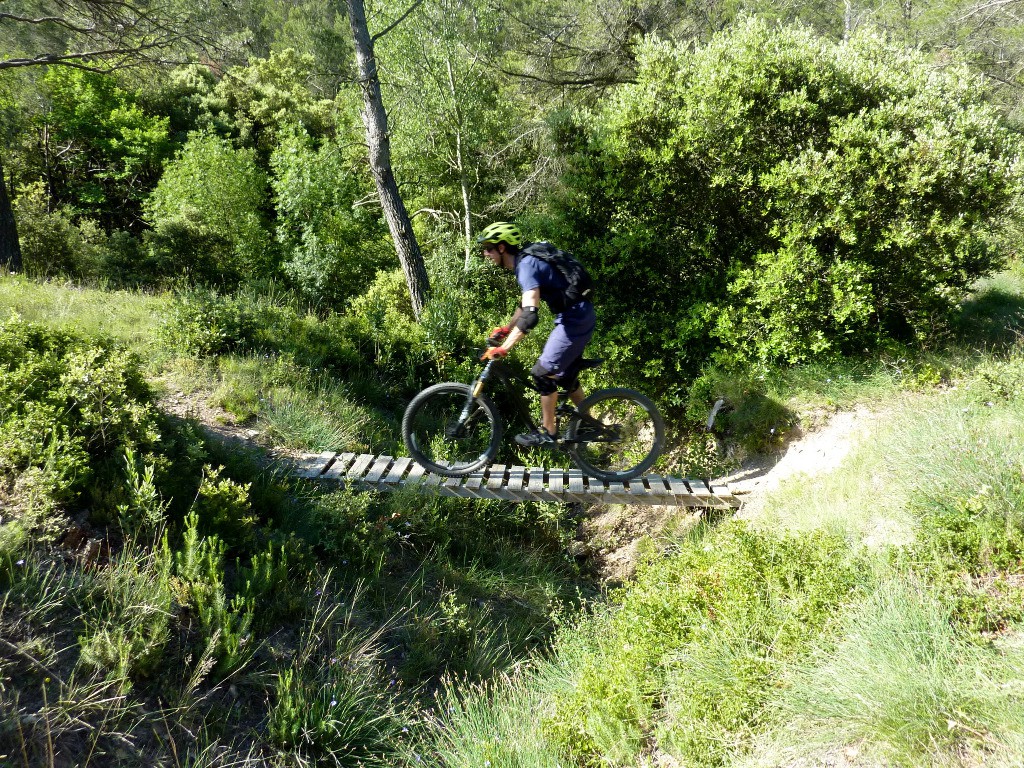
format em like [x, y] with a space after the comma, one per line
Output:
[564, 346]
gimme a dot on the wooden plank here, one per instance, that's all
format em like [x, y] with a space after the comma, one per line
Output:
[312, 467]
[454, 486]
[636, 487]
[535, 484]
[724, 495]
[596, 490]
[658, 488]
[516, 478]
[702, 491]
[576, 487]
[430, 480]
[475, 486]
[538, 485]
[497, 483]
[495, 477]
[380, 466]
[359, 466]
[681, 493]
[556, 483]
[341, 463]
[617, 493]
[394, 477]
[415, 475]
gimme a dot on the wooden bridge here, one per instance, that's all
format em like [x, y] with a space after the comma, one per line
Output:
[514, 483]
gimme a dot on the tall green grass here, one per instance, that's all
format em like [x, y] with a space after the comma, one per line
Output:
[130, 317]
[902, 687]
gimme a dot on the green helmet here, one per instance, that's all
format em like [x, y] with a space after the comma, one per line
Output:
[500, 232]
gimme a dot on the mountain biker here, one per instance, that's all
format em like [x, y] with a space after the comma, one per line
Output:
[503, 244]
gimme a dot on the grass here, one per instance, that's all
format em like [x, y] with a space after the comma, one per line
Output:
[130, 317]
[767, 643]
[904, 686]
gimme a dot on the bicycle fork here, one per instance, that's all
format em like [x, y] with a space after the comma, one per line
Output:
[475, 391]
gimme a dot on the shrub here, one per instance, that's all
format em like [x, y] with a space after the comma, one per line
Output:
[333, 248]
[202, 322]
[772, 196]
[72, 409]
[110, 149]
[206, 213]
[52, 243]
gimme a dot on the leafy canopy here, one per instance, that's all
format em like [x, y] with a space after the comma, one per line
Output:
[775, 196]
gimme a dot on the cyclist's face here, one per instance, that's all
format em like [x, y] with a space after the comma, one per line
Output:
[494, 253]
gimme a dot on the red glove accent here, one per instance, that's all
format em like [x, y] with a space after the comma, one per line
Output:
[499, 333]
[494, 352]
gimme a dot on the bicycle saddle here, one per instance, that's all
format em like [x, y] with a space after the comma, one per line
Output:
[590, 362]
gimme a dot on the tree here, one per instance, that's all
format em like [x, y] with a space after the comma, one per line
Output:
[461, 137]
[98, 35]
[375, 119]
[10, 249]
[95, 35]
[777, 197]
[98, 151]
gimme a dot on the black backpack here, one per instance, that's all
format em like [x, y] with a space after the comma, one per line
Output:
[580, 285]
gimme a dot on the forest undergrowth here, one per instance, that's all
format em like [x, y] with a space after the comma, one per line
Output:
[168, 600]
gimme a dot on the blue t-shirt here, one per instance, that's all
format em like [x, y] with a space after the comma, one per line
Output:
[532, 272]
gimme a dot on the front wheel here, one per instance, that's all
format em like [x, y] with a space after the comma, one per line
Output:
[450, 432]
[616, 435]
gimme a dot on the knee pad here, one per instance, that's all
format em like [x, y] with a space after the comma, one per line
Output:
[545, 384]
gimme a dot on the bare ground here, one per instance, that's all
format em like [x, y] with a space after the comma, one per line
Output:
[614, 536]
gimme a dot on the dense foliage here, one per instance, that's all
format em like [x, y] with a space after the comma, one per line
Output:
[73, 412]
[774, 196]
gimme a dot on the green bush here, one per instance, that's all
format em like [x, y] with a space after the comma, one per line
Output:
[332, 248]
[71, 411]
[711, 625]
[207, 214]
[52, 243]
[773, 196]
[752, 414]
[202, 322]
[111, 150]
[129, 624]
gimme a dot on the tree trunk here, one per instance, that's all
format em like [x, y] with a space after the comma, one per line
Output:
[460, 167]
[10, 249]
[376, 121]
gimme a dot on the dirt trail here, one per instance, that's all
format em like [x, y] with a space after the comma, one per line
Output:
[613, 536]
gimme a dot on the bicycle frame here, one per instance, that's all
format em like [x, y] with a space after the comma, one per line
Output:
[496, 369]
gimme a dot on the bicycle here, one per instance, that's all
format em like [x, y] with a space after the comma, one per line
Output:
[454, 429]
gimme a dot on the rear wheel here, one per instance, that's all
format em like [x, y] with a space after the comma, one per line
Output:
[449, 432]
[618, 434]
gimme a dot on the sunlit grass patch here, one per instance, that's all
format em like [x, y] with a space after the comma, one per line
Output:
[496, 724]
[130, 317]
[901, 687]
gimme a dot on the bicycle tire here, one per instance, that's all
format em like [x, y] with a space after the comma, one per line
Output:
[433, 437]
[630, 436]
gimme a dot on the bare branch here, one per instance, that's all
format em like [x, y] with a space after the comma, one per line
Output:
[397, 21]
[985, 7]
[59, 21]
